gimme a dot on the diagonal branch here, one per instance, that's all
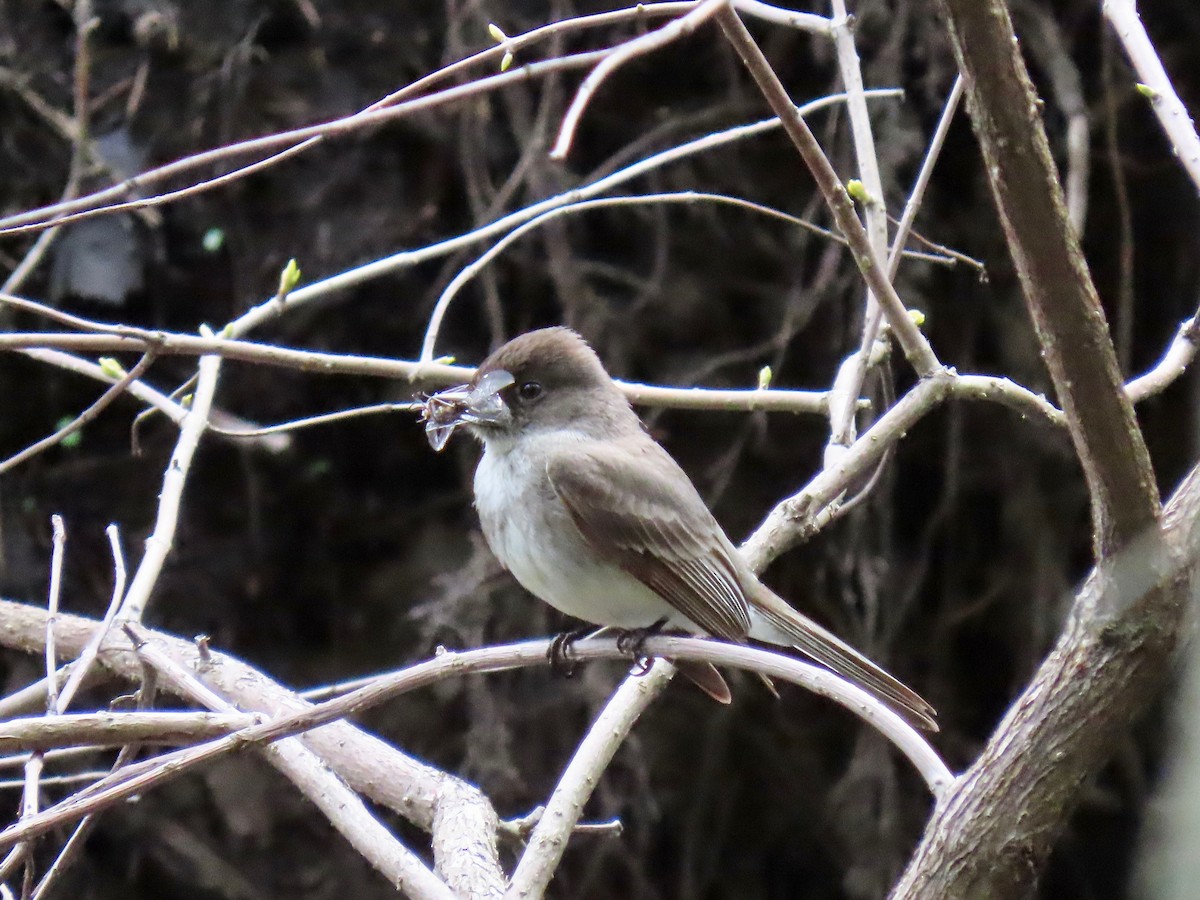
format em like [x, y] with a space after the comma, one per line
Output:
[1058, 290]
[874, 270]
[993, 833]
[994, 830]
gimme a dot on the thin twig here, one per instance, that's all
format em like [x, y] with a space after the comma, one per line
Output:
[429, 374]
[89, 369]
[1172, 114]
[1123, 316]
[912, 341]
[18, 760]
[158, 544]
[98, 202]
[145, 180]
[639, 46]
[86, 207]
[61, 780]
[408, 258]
[313, 421]
[84, 663]
[56, 566]
[1179, 356]
[843, 414]
[88, 415]
[31, 791]
[469, 272]
[913, 205]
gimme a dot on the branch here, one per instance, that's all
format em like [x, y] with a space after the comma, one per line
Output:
[688, 198]
[548, 841]
[1172, 114]
[88, 415]
[843, 426]
[158, 544]
[25, 626]
[1062, 300]
[106, 729]
[95, 203]
[343, 808]
[424, 795]
[992, 835]
[408, 258]
[646, 43]
[413, 373]
[796, 518]
[993, 831]
[916, 347]
[842, 422]
[1174, 363]
[86, 207]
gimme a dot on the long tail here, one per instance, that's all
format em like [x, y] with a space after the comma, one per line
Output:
[821, 645]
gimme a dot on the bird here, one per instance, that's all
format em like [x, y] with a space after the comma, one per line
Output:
[593, 516]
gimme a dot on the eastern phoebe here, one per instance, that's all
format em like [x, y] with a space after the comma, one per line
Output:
[592, 516]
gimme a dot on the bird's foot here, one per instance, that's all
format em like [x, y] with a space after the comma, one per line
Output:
[559, 654]
[632, 641]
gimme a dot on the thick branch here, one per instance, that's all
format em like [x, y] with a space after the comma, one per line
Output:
[991, 835]
[994, 832]
[457, 814]
[1005, 112]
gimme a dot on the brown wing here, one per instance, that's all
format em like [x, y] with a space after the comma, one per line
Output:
[656, 527]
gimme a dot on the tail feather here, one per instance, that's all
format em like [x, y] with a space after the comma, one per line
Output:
[825, 648]
[706, 677]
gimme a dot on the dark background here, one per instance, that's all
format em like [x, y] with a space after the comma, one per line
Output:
[357, 550]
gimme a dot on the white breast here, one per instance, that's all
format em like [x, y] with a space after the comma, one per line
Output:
[532, 534]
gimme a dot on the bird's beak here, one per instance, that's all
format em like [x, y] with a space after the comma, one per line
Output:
[479, 403]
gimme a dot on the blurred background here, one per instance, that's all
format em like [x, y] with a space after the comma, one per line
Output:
[356, 549]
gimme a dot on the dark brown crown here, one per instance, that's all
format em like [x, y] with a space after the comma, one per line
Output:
[557, 357]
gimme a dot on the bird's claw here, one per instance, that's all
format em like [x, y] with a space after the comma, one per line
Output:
[632, 641]
[559, 654]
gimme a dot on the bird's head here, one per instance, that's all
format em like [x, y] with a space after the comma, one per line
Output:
[548, 378]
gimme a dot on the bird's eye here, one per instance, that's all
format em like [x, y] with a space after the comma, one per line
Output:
[529, 390]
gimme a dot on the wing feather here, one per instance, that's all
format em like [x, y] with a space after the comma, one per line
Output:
[637, 507]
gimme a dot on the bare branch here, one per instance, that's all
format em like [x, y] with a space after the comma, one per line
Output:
[83, 664]
[414, 373]
[647, 43]
[1009, 806]
[1058, 290]
[1172, 114]
[847, 389]
[424, 795]
[795, 518]
[88, 415]
[158, 544]
[1174, 363]
[469, 272]
[408, 258]
[105, 729]
[1116, 649]
[548, 840]
[141, 777]
[341, 806]
[87, 207]
[916, 347]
